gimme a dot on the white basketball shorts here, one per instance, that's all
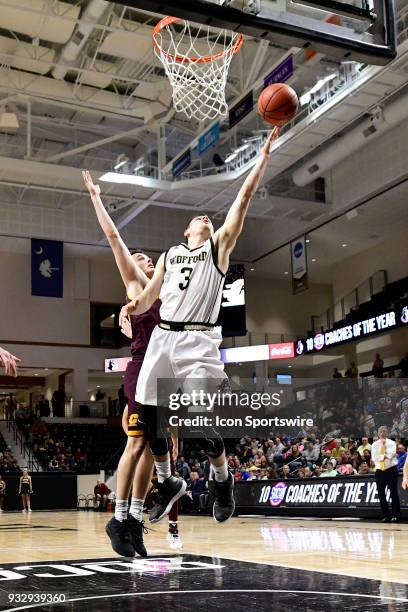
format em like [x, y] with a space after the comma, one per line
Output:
[179, 355]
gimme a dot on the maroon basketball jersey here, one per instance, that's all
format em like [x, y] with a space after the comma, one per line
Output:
[142, 328]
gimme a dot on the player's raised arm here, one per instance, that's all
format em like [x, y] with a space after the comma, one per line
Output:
[133, 277]
[229, 232]
[9, 362]
[148, 296]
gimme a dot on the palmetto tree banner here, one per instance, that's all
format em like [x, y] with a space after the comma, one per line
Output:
[47, 268]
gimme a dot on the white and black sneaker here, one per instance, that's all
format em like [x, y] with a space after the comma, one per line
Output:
[224, 502]
[174, 540]
[169, 491]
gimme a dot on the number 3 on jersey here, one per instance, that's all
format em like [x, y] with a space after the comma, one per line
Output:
[187, 276]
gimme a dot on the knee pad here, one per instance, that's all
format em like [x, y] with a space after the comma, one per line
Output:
[214, 446]
[149, 423]
[158, 446]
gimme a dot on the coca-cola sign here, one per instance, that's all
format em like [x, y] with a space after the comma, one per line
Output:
[283, 350]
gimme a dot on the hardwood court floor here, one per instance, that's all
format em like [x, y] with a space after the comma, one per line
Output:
[348, 548]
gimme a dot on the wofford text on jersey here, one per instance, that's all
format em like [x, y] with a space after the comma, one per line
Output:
[189, 259]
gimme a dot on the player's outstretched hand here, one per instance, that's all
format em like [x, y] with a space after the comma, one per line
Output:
[126, 311]
[126, 328]
[405, 484]
[9, 361]
[93, 189]
[266, 149]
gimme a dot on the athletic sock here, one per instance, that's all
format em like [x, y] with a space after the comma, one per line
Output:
[173, 527]
[136, 508]
[221, 472]
[121, 509]
[163, 469]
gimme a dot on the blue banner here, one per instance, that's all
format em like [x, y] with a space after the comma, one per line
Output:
[244, 106]
[208, 140]
[181, 163]
[281, 73]
[47, 268]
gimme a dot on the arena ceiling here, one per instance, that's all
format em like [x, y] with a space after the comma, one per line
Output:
[62, 111]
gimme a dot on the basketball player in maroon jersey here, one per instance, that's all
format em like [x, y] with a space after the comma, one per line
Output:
[126, 530]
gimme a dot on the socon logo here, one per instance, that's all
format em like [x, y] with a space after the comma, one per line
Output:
[298, 249]
[277, 494]
[404, 315]
[318, 341]
[299, 347]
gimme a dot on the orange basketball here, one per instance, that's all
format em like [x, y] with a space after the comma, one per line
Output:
[278, 104]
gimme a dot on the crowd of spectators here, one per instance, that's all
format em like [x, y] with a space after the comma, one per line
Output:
[8, 463]
[53, 448]
[284, 458]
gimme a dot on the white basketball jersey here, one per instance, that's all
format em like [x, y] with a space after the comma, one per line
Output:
[192, 286]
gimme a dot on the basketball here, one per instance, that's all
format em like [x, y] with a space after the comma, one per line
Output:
[278, 104]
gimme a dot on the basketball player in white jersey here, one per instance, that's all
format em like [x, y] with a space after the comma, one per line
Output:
[189, 279]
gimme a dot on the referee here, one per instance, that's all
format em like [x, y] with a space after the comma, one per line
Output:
[384, 455]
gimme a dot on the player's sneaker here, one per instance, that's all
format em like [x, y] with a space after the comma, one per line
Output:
[169, 491]
[118, 531]
[224, 502]
[174, 541]
[136, 530]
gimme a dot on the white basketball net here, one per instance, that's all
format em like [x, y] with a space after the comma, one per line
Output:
[196, 63]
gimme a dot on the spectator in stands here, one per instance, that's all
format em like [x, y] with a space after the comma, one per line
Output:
[352, 371]
[364, 469]
[285, 472]
[43, 407]
[356, 460]
[311, 454]
[378, 367]
[329, 468]
[336, 373]
[403, 366]
[100, 395]
[101, 493]
[122, 398]
[10, 407]
[401, 456]
[53, 465]
[2, 493]
[58, 402]
[365, 445]
[338, 450]
[183, 468]
[198, 487]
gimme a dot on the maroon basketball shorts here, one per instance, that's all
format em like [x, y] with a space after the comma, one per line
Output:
[131, 375]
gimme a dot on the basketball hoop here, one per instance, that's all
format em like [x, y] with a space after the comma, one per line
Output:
[196, 63]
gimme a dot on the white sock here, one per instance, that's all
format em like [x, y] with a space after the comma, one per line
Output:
[221, 472]
[136, 508]
[163, 469]
[121, 509]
